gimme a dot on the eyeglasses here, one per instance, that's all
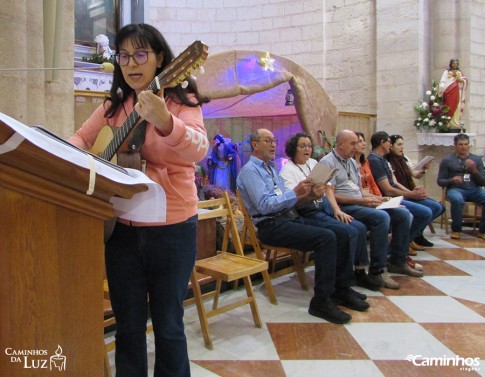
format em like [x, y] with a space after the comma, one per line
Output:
[139, 57]
[270, 141]
[303, 146]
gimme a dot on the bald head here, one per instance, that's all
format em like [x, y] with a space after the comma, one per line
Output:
[345, 141]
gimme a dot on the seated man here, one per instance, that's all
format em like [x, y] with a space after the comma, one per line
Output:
[423, 213]
[271, 206]
[299, 149]
[350, 201]
[462, 174]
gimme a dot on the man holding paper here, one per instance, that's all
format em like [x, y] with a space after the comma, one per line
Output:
[349, 201]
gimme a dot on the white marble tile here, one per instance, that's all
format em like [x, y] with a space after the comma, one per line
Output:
[435, 309]
[198, 371]
[477, 250]
[319, 368]
[475, 268]
[465, 287]
[395, 341]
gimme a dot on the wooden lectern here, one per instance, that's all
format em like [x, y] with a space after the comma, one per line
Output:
[51, 263]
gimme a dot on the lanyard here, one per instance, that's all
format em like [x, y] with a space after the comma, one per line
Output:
[346, 165]
[298, 166]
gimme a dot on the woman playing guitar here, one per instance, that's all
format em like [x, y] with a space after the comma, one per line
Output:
[152, 260]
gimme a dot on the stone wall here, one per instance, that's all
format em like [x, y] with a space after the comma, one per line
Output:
[27, 95]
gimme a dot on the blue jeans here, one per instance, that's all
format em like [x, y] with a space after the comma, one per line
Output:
[333, 262]
[436, 208]
[355, 231]
[150, 267]
[422, 216]
[378, 222]
[457, 197]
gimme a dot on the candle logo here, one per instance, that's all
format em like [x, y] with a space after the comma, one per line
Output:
[58, 361]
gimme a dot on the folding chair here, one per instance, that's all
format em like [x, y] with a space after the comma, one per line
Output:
[224, 266]
[274, 254]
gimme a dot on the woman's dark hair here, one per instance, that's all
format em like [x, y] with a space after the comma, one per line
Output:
[146, 36]
[292, 144]
[362, 156]
[395, 138]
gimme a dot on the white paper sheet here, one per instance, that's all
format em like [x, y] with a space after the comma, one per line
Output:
[147, 206]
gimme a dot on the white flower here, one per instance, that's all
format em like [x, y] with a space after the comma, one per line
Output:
[424, 105]
[436, 104]
[432, 123]
[428, 92]
[426, 120]
[440, 124]
[430, 115]
[432, 98]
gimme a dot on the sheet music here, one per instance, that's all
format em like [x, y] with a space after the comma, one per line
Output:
[391, 203]
[424, 161]
[147, 206]
[321, 174]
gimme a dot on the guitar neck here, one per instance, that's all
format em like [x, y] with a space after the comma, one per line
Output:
[120, 136]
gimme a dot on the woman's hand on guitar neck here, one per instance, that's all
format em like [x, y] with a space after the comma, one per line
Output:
[153, 109]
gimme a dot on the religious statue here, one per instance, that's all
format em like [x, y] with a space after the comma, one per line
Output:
[223, 163]
[452, 88]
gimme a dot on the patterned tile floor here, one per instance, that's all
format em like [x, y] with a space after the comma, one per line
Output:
[439, 320]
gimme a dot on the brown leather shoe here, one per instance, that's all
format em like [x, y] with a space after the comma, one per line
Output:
[416, 247]
[412, 252]
[482, 236]
[455, 235]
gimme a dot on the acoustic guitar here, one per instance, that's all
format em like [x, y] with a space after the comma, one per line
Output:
[121, 146]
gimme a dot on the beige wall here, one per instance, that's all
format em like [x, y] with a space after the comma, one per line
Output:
[26, 95]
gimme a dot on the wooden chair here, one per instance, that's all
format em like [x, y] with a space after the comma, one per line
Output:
[468, 217]
[274, 254]
[224, 266]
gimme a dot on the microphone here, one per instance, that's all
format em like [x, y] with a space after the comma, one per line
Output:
[105, 67]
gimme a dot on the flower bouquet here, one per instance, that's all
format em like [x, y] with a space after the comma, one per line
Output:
[432, 114]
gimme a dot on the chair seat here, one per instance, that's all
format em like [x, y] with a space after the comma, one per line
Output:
[230, 267]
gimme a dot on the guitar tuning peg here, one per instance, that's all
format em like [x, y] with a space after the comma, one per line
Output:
[202, 70]
[193, 77]
[184, 84]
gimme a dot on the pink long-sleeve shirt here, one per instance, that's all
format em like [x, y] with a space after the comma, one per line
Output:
[170, 160]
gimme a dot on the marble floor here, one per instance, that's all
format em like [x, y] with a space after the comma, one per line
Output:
[432, 326]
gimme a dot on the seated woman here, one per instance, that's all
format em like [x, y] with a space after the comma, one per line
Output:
[299, 149]
[368, 182]
[404, 174]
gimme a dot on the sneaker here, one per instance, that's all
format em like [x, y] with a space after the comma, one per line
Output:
[413, 264]
[344, 297]
[455, 235]
[325, 308]
[413, 245]
[365, 280]
[389, 282]
[423, 241]
[404, 269]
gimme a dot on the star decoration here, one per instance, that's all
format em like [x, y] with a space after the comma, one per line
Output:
[267, 62]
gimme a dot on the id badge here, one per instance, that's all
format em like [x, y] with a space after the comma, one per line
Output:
[278, 191]
[466, 177]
